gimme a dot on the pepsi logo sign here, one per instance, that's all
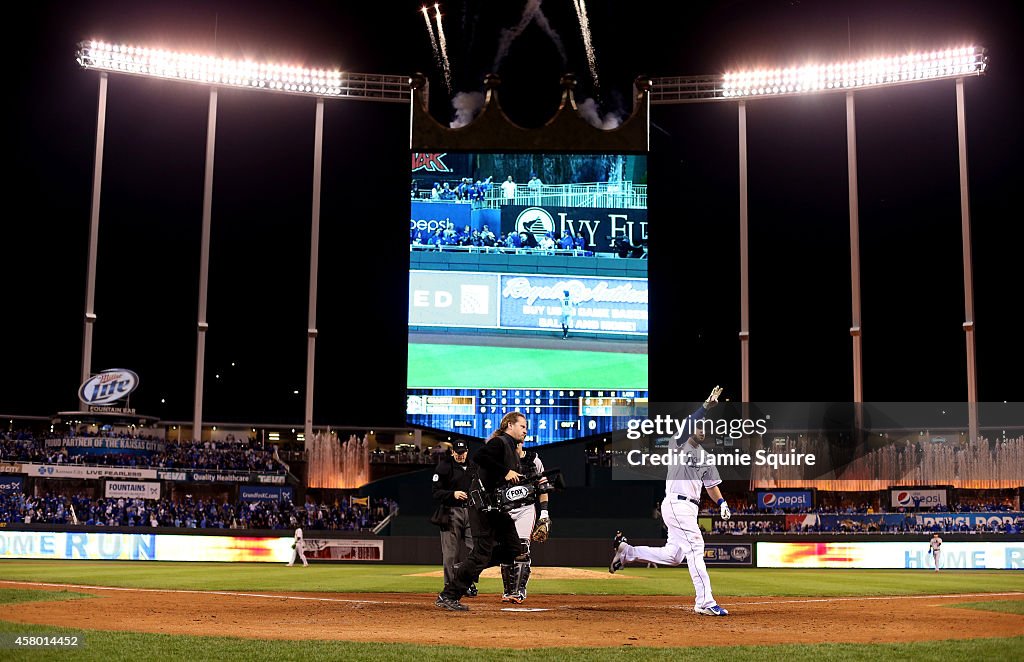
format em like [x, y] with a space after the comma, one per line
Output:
[769, 499]
[108, 386]
[903, 498]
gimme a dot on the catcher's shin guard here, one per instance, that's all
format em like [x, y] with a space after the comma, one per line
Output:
[506, 581]
[522, 578]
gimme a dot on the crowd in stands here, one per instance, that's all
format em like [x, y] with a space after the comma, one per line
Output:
[201, 455]
[341, 515]
[909, 524]
[465, 189]
[446, 234]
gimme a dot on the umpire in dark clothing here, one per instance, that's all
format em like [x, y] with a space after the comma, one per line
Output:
[495, 539]
[451, 489]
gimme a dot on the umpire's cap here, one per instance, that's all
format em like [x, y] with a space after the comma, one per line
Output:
[460, 447]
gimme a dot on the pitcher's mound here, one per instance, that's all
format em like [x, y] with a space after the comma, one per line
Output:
[539, 572]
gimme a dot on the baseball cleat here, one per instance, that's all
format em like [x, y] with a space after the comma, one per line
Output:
[449, 604]
[512, 599]
[620, 550]
[472, 591]
[713, 610]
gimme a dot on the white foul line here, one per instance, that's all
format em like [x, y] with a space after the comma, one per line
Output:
[230, 593]
[872, 597]
[398, 602]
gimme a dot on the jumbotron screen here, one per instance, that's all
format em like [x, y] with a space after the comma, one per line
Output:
[527, 292]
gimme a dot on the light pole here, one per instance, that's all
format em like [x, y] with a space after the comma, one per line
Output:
[217, 73]
[94, 232]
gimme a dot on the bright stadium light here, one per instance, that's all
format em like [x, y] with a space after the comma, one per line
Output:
[842, 76]
[949, 63]
[246, 74]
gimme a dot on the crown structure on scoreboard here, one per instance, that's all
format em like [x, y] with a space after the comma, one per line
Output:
[567, 130]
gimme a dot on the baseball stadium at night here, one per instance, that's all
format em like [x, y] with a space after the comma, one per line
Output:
[703, 341]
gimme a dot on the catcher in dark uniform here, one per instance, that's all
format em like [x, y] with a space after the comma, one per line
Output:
[516, 575]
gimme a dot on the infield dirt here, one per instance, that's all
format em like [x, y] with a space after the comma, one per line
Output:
[565, 620]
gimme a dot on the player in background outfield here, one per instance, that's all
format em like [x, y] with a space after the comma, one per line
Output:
[935, 544]
[679, 511]
[300, 550]
[568, 313]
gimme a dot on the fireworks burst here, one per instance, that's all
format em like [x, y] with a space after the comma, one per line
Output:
[444, 48]
[581, 14]
[433, 39]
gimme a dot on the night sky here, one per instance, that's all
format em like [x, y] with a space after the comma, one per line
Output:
[151, 206]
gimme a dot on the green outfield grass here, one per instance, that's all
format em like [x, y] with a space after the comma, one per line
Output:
[470, 366]
[9, 596]
[104, 646]
[365, 578]
[1005, 606]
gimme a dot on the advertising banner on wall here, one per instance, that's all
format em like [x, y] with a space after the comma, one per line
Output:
[750, 523]
[781, 499]
[131, 490]
[344, 550]
[911, 498]
[596, 225]
[79, 471]
[906, 555]
[953, 521]
[103, 445]
[721, 554]
[9, 484]
[261, 493]
[142, 547]
[223, 477]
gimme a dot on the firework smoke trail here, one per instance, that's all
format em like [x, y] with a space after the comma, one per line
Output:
[542, 22]
[581, 14]
[532, 12]
[433, 40]
[444, 48]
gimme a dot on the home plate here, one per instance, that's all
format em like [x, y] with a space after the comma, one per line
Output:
[523, 609]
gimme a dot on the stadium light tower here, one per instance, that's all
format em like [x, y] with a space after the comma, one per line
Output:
[217, 73]
[845, 77]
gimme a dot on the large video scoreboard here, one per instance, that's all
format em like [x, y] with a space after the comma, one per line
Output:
[495, 279]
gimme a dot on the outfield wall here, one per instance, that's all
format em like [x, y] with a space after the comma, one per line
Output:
[964, 551]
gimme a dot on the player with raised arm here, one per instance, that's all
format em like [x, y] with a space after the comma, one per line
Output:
[679, 509]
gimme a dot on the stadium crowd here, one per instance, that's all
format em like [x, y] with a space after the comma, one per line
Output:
[446, 234]
[909, 524]
[202, 455]
[189, 513]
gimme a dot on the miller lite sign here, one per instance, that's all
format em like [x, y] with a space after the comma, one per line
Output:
[107, 386]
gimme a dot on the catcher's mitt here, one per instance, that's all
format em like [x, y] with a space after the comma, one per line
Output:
[541, 531]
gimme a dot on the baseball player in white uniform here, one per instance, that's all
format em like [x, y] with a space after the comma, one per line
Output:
[679, 511]
[515, 576]
[568, 312]
[935, 544]
[300, 551]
